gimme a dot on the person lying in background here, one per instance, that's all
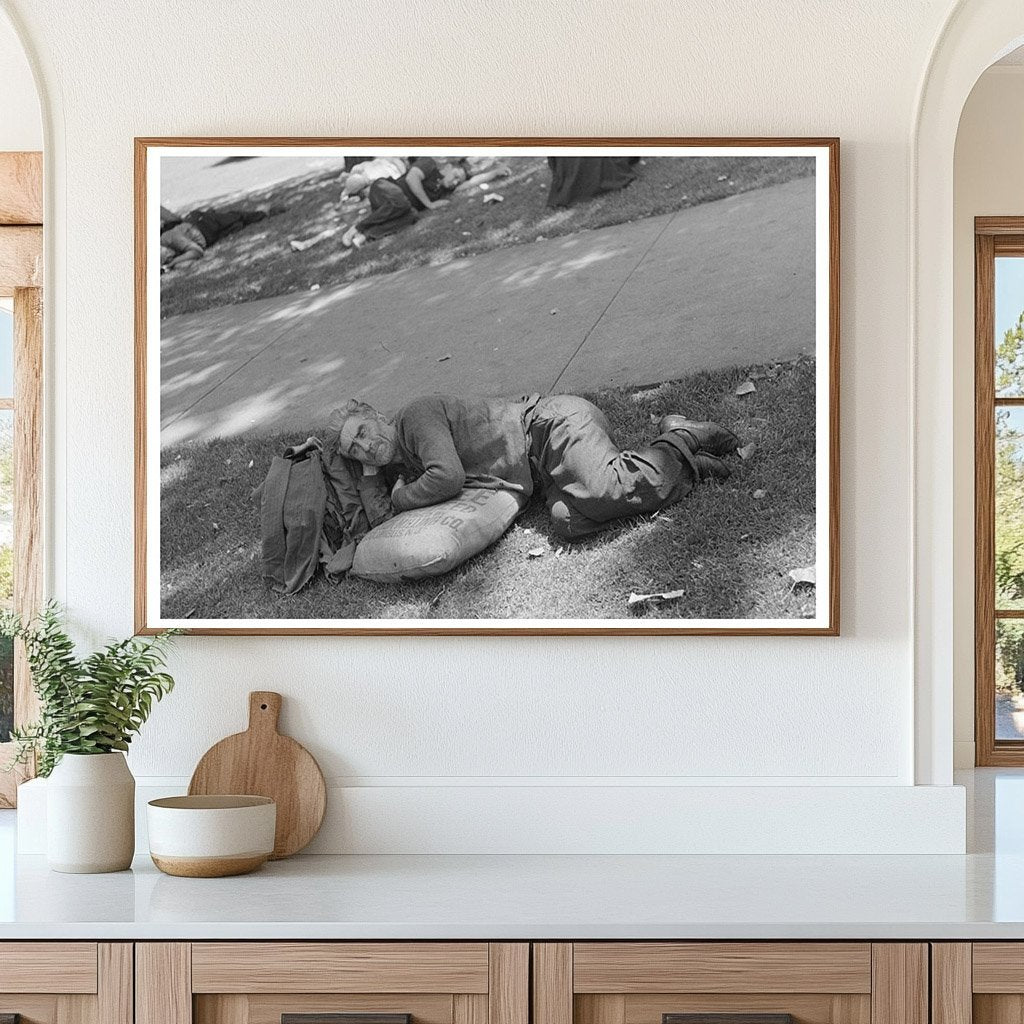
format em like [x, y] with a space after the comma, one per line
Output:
[364, 174]
[396, 203]
[168, 219]
[183, 243]
[480, 170]
[561, 444]
[476, 170]
[217, 222]
[188, 240]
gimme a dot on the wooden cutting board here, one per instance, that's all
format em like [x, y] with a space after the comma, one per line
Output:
[262, 762]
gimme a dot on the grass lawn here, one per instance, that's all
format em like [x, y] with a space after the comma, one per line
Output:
[729, 547]
[258, 262]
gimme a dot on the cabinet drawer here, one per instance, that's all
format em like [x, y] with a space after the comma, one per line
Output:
[634, 967]
[64, 967]
[730, 983]
[66, 982]
[332, 983]
[340, 967]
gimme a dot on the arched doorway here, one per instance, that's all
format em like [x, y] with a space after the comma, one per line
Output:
[976, 34]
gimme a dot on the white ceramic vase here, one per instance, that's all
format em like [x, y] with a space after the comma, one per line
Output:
[90, 814]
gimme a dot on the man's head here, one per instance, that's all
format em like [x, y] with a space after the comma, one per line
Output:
[452, 175]
[364, 434]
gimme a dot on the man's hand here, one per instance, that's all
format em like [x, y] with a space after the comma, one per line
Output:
[399, 484]
[439, 202]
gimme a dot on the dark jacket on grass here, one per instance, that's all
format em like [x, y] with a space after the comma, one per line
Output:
[313, 511]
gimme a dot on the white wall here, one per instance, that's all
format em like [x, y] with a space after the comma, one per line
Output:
[988, 180]
[449, 713]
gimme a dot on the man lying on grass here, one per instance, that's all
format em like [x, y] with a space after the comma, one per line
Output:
[560, 443]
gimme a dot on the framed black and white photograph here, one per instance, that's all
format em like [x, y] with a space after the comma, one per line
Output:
[487, 386]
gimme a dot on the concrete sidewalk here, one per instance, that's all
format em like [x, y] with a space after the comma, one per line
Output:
[717, 285]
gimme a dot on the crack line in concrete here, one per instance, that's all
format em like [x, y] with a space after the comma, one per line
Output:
[601, 316]
[238, 369]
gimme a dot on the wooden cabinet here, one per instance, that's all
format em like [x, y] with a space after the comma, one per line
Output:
[978, 983]
[263, 982]
[652, 982]
[494, 983]
[66, 982]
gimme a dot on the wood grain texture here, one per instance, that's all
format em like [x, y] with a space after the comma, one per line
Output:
[143, 614]
[899, 991]
[634, 967]
[208, 867]
[346, 1018]
[76, 1009]
[304, 967]
[226, 1009]
[951, 983]
[141, 358]
[115, 996]
[65, 967]
[834, 489]
[268, 1009]
[28, 505]
[984, 502]
[552, 983]
[10, 780]
[999, 226]
[805, 1008]
[603, 1009]
[508, 993]
[262, 762]
[1010, 245]
[727, 1018]
[998, 967]
[28, 483]
[32, 1009]
[163, 983]
[994, 236]
[21, 188]
[998, 1009]
[466, 1009]
[21, 259]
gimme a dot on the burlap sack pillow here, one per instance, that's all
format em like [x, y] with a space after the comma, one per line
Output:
[431, 541]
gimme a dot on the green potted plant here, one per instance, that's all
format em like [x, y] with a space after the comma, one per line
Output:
[89, 710]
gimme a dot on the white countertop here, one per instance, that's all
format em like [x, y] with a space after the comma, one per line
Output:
[516, 897]
[977, 896]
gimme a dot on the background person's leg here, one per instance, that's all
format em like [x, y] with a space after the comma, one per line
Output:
[390, 210]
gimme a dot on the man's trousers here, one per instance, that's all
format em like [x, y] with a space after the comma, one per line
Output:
[588, 481]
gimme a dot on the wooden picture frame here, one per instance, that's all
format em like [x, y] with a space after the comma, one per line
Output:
[813, 584]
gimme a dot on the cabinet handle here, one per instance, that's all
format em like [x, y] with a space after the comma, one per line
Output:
[727, 1018]
[336, 1018]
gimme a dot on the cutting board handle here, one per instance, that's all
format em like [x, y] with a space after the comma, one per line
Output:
[264, 710]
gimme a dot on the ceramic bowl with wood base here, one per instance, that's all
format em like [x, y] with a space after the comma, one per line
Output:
[211, 836]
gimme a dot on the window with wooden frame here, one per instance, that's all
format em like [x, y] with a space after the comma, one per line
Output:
[21, 365]
[999, 490]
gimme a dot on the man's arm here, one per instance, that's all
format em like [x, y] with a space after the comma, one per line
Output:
[414, 179]
[429, 436]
